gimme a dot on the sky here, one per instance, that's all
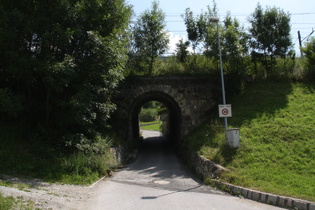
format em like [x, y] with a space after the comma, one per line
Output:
[302, 14]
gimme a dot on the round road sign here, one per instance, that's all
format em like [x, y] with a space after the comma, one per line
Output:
[225, 111]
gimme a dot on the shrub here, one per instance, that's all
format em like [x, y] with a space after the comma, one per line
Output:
[10, 105]
[284, 68]
[309, 51]
[147, 115]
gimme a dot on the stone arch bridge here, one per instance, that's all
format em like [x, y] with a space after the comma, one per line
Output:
[188, 100]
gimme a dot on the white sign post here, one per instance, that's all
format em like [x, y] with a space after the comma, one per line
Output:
[225, 110]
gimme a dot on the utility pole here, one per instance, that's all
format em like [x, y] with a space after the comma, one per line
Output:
[300, 42]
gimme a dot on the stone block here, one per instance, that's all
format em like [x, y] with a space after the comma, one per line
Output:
[300, 205]
[312, 206]
[256, 196]
[179, 97]
[166, 89]
[263, 197]
[272, 199]
[282, 201]
[245, 193]
[236, 190]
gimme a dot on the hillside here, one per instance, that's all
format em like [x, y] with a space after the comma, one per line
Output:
[277, 151]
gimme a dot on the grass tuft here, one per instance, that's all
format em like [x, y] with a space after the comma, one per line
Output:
[8, 203]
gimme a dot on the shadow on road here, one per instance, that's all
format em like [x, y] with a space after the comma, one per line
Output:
[158, 159]
[157, 165]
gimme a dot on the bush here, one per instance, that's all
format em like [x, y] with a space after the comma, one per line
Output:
[10, 105]
[309, 51]
[147, 115]
[85, 162]
[284, 68]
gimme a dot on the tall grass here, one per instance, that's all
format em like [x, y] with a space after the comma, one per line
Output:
[20, 157]
[277, 151]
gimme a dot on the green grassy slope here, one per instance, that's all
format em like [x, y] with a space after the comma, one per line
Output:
[154, 126]
[277, 132]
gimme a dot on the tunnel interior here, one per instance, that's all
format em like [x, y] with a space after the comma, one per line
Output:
[174, 115]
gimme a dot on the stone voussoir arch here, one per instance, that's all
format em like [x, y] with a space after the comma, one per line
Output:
[188, 100]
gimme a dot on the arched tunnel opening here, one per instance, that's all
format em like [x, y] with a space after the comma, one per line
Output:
[171, 117]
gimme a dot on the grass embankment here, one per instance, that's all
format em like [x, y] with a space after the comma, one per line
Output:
[153, 126]
[277, 139]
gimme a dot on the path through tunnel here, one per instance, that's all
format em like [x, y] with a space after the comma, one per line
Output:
[174, 116]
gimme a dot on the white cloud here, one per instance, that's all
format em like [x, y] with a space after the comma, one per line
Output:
[174, 39]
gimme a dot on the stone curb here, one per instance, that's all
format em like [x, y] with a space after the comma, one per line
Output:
[208, 169]
[262, 197]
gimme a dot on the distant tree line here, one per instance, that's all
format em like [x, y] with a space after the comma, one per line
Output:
[264, 51]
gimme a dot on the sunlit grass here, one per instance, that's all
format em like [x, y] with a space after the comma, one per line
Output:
[8, 203]
[277, 146]
[153, 126]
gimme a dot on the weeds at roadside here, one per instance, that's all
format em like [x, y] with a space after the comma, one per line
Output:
[8, 203]
[76, 168]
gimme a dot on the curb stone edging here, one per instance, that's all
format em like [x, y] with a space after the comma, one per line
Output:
[262, 197]
[209, 169]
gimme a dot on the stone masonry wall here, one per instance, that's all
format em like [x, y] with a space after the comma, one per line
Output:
[194, 97]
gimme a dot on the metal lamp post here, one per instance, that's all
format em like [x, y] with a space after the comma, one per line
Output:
[216, 20]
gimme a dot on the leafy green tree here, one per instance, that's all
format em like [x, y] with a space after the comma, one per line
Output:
[309, 51]
[194, 29]
[150, 38]
[270, 35]
[234, 46]
[60, 61]
[182, 50]
[197, 27]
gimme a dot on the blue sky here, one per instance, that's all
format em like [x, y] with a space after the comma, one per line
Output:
[302, 13]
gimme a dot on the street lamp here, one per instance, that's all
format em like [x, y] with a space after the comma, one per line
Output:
[216, 20]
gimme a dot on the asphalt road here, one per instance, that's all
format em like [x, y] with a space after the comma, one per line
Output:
[158, 180]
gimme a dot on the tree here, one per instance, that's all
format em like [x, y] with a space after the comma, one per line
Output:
[194, 30]
[197, 27]
[150, 37]
[309, 51]
[233, 40]
[62, 60]
[270, 35]
[182, 50]
[234, 45]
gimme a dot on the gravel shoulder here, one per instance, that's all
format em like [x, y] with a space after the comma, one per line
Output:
[46, 195]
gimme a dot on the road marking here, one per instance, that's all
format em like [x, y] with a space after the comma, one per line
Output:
[162, 182]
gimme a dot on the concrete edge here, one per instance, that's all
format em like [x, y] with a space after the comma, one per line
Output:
[262, 197]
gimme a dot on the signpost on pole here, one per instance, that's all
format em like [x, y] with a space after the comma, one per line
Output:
[225, 110]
